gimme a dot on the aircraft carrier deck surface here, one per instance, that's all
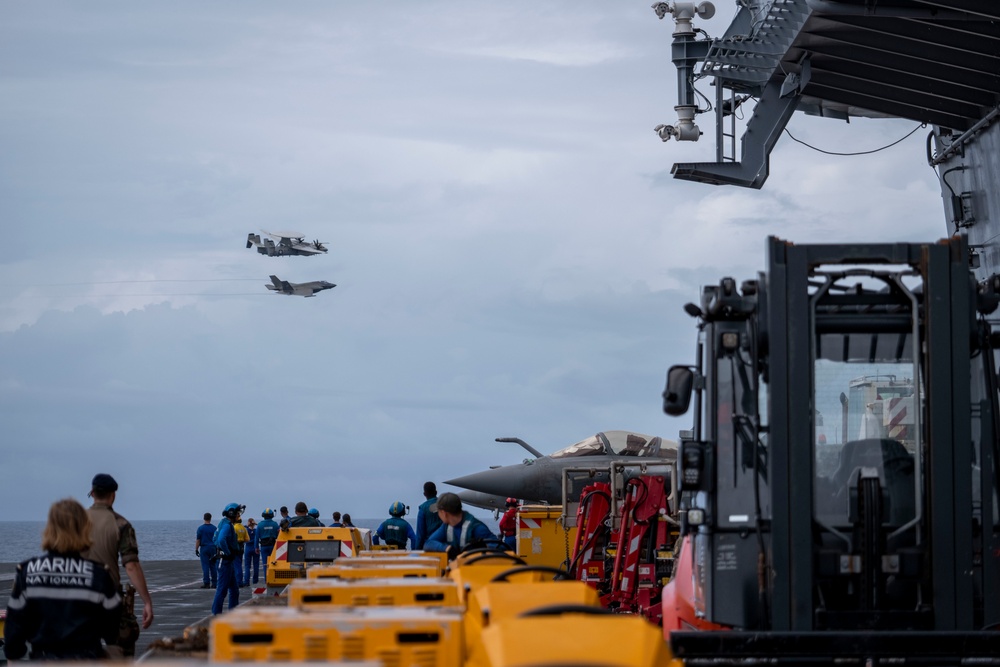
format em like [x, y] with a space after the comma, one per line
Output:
[178, 598]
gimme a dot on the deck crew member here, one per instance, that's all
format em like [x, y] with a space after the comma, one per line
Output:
[61, 603]
[508, 524]
[225, 542]
[302, 518]
[396, 530]
[458, 528]
[267, 535]
[204, 548]
[112, 536]
[427, 520]
[251, 554]
[336, 521]
[242, 538]
[314, 513]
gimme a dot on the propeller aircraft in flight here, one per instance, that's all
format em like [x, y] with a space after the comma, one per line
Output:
[288, 243]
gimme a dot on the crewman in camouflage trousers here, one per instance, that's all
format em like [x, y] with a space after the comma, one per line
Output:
[114, 537]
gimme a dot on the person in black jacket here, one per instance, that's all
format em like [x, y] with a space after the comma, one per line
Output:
[62, 604]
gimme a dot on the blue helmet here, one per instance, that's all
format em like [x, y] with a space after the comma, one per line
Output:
[397, 509]
[313, 512]
[231, 510]
[267, 513]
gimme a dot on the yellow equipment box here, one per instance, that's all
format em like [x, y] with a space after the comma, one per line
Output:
[471, 578]
[296, 549]
[398, 636]
[380, 592]
[541, 538]
[608, 640]
[374, 572]
[403, 560]
[495, 602]
[401, 553]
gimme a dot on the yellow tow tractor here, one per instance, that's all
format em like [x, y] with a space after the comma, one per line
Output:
[297, 549]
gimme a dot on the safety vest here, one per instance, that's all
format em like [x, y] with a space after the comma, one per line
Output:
[242, 537]
[465, 531]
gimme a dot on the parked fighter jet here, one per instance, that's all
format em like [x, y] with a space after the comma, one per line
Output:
[279, 286]
[540, 479]
[289, 243]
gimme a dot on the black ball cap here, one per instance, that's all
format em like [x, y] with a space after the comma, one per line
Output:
[104, 482]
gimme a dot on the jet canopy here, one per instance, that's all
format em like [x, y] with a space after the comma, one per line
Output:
[617, 443]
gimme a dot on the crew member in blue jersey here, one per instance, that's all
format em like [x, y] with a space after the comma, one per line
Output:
[396, 530]
[458, 528]
[427, 520]
[314, 513]
[251, 555]
[204, 548]
[228, 547]
[267, 535]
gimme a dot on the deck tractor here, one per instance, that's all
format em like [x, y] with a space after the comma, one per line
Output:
[876, 538]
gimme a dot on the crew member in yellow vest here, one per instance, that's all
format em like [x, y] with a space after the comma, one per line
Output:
[242, 537]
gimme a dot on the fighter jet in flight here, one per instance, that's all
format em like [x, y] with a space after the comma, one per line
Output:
[279, 286]
[289, 243]
[540, 479]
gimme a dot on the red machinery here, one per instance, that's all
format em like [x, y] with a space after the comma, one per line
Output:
[630, 565]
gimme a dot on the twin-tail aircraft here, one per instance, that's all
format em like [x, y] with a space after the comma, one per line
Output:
[288, 243]
[279, 286]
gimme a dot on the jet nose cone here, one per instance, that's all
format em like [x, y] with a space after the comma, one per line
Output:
[531, 483]
[495, 481]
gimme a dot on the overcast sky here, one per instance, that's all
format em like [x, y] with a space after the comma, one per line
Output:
[510, 252]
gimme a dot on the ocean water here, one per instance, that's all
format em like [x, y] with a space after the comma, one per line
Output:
[158, 540]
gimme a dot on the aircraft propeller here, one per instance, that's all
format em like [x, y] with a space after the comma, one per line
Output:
[318, 245]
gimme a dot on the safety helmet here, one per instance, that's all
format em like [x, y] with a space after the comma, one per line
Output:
[397, 509]
[511, 501]
[313, 512]
[232, 509]
[267, 513]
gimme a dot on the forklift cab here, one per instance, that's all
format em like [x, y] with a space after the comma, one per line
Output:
[885, 517]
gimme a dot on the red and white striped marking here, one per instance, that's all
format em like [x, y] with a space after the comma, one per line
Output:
[633, 546]
[528, 524]
[281, 551]
[897, 417]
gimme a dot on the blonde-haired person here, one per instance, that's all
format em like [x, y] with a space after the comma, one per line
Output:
[62, 604]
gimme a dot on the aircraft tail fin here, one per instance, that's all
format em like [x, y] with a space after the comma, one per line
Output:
[276, 284]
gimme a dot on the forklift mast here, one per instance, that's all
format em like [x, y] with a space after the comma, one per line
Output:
[842, 467]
